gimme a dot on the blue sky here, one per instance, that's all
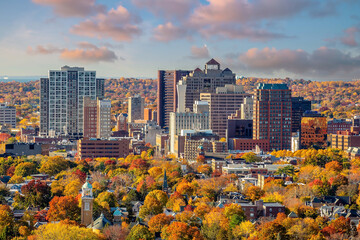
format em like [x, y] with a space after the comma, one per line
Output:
[310, 39]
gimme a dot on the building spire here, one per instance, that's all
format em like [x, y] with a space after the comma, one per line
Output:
[165, 183]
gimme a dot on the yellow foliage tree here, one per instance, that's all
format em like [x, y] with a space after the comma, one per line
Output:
[72, 188]
[244, 230]
[60, 231]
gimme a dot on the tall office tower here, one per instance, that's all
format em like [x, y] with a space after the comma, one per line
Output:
[7, 115]
[61, 100]
[272, 115]
[97, 118]
[299, 106]
[224, 102]
[90, 117]
[313, 130]
[147, 114]
[188, 121]
[167, 94]
[135, 108]
[198, 81]
[246, 109]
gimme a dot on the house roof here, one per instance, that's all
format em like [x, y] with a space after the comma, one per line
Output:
[100, 223]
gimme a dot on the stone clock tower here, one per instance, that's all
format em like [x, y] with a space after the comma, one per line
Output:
[87, 204]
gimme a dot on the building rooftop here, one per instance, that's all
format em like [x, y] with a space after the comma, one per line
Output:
[312, 114]
[212, 62]
[276, 86]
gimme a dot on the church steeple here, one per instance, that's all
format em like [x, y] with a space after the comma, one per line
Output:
[165, 183]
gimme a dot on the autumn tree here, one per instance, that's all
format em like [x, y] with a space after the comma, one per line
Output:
[215, 225]
[272, 230]
[179, 230]
[6, 222]
[72, 188]
[339, 225]
[139, 166]
[200, 159]
[106, 200]
[154, 203]
[115, 232]
[158, 222]
[189, 217]
[62, 208]
[36, 194]
[235, 214]
[25, 169]
[184, 187]
[254, 193]
[201, 210]
[205, 169]
[60, 231]
[53, 165]
[244, 230]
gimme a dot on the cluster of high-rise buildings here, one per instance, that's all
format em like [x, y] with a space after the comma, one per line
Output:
[201, 110]
[209, 106]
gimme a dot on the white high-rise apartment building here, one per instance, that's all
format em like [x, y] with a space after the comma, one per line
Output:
[61, 100]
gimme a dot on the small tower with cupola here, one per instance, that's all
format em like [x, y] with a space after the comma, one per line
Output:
[87, 204]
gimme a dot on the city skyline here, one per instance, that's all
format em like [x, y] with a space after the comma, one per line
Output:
[316, 40]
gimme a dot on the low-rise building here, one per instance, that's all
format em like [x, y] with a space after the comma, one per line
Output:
[22, 149]
[245, 144]
[97, 148]
[150, 132]
[260, 209]
[200, 142]
[162, 140]
[344, 140]
[335, 125]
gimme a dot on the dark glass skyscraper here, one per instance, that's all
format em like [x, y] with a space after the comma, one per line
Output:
[299, 106]
[167, 94]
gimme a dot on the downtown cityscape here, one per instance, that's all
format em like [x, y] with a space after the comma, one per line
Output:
[180, 119]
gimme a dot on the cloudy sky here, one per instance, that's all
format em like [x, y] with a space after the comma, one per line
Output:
[310, 39]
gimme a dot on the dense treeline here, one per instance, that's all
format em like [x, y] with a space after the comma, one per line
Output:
[121, 182]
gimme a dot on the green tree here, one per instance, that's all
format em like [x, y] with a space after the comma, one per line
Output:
[25, 169]
[140, 232]
[251, 157]
[53, 165]
[288, 170]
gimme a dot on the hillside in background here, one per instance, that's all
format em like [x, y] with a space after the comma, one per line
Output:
[334, 99]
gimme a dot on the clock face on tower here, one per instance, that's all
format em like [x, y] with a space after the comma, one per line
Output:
[87, 206]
